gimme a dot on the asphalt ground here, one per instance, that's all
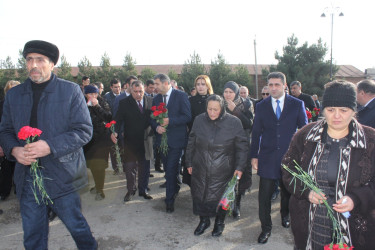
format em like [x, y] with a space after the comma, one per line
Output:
[144, 224]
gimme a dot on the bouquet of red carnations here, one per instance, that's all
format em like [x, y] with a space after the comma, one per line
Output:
[227, 200]
[159, 113]
[111, 126]
[29, 134]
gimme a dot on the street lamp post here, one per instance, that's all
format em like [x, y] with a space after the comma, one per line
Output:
[332, 11]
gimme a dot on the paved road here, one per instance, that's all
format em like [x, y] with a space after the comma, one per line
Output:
[143, 224]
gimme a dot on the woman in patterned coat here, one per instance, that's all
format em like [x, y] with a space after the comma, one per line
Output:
[339, 154]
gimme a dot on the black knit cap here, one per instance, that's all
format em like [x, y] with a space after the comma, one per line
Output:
[340, 94]
[42, 47]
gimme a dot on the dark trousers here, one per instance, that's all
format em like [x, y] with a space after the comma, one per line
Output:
[146, 176]
[131, 169]
[97, 167]
[6, 176]
[112, 154]
[266, 189]
[170, 163]
[35, 220]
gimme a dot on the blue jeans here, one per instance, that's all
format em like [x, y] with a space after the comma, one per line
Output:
[170, 164]
[35, 220]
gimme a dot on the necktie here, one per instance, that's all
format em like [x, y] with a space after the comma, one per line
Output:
[140, 107]
[165, 99]
[278, 110]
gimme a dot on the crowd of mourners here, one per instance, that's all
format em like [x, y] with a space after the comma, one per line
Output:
[201, 139]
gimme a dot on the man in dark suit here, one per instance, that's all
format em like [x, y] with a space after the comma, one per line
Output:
[366, 98]
[134, 115]
[124, 94]
[296, 91]
[175, 126]
[277, 119]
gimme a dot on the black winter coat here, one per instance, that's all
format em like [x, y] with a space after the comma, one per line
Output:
[215, 150]
[99, 145]
[198, 106]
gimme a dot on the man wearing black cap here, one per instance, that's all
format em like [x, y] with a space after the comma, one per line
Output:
[56, 107]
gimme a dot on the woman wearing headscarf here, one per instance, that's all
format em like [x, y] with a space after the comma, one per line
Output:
[97, 150]
[217, 150]
[244, 110]
[339, 154]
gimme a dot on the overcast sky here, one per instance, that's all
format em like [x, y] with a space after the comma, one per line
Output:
[169, 31]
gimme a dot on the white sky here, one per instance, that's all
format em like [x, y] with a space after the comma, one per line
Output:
[169, 31]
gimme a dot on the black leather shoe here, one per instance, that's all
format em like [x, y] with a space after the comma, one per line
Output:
[285, 222]
[263, 237]
[146, 196]
[202, 226]
[148, 189]
[274, 196]
[151, 175]
[128, 196]
[158, 169]
[1, 211]
[170, 208]
[164, 185]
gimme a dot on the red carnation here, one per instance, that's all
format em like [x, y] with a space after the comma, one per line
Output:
[309, 115]
[27, 131]
[153, 108]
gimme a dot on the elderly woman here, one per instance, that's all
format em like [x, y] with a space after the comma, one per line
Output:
[203, 87]
[244, 110]
[97, 150]
[339, 154]
[217, 150]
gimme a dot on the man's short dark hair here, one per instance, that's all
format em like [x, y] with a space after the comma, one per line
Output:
[137, 83]
[97, 84]
[278, 75]
[368, 86]
[84, 78]
[149, 82]
[296, 83]
[114, 81]
[163, 78]
[130, 78]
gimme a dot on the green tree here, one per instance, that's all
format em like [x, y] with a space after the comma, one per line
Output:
[128, 68]
[192, 68]
[65, 69]
[106, 72]
[21, 67]
[242, 77]
[173, 75]
[220, 73]
[305, 64]
[8, 70]
[86, 69]
[147, 73]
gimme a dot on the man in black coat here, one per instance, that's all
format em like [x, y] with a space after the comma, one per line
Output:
[296, 91]
[366, 98]
[134, 115]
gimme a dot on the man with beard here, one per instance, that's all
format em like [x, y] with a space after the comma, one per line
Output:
[58, 108]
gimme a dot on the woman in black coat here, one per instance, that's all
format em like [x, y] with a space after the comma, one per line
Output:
[204, 89]
[217, 150]
[244, 110]
[97, 150]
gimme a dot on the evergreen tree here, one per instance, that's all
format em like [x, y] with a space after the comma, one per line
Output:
[65, 69]
[220, 73]
[146, 74]
[192, 68]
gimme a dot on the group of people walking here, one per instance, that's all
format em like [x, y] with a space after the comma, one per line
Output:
[215, 136]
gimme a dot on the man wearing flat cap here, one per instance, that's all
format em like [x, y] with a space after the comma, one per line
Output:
[56, 107]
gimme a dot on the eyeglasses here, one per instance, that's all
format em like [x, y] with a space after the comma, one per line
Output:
[265, 93]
